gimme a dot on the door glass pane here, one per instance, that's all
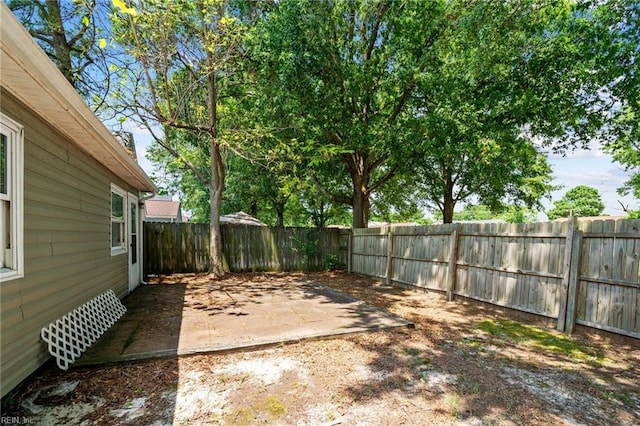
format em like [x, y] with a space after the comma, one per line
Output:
[134, 218]
[3, 164]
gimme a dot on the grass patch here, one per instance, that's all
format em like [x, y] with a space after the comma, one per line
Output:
[622, 397]
[471, 342]
[467, 386]
[420, 362]
[541, 338]
[274, 406]
[455, 404]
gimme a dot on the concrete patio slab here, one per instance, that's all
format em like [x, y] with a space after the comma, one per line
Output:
[232, 314]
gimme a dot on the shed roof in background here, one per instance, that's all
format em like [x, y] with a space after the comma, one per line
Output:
[241, 218]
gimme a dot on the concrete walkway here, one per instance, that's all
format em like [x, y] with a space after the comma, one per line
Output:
[212, 316]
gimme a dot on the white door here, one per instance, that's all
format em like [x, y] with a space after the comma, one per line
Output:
[134, 243]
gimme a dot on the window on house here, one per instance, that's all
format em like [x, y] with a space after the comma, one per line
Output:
[118, 220]
[11, 173]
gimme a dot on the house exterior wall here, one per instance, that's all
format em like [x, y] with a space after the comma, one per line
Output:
[67, 246]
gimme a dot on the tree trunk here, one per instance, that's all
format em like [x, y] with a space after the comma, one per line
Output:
[253, 208]
[217, 267]
[280, 214]
[216, 187]
[449, 203]
[360, 205]
[59, 43]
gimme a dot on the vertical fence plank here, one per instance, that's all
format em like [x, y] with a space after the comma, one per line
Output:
[350, 253]
[566, 269]
[389, 265]
[573, 283]
[453, 259]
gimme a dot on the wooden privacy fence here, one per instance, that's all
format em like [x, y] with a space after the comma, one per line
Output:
[184, 247]
[584, 272]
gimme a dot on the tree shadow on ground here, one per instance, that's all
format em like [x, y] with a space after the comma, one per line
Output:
[478, 361]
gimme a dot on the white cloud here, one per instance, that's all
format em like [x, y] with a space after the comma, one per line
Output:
[597, 171]
[594, 151]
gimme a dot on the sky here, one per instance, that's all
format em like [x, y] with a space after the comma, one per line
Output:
[580, 167]
[596, 169]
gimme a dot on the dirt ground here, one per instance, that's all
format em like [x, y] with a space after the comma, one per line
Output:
[463, 363]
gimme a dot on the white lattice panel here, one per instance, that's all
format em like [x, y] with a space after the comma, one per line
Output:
[71, 335]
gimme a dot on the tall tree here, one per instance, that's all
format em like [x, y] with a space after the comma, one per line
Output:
[581, 200]
[185, 51]
[618, 25]
[507, 73]
[460, 89]
[346, 70]
[74, 34]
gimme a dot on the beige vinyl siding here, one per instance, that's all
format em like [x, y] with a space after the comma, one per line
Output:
[68, 260]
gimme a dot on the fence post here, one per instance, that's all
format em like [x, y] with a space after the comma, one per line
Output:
[573, 283]
[453, 257]
[349, 251]
[566, 273]
[389, 257]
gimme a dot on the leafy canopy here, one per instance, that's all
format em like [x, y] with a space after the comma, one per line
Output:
[581, 200]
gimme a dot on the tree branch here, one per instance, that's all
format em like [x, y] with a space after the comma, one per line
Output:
[402, 100]
[384, 179]
[90, 8]
[176, 155]
[341, 199]
[374, 33]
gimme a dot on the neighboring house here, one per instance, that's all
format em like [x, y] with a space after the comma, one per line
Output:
[69, 203]
[160, 209]
[241, 218]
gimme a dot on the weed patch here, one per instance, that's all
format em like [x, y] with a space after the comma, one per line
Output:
[274, 406]
[545, 339]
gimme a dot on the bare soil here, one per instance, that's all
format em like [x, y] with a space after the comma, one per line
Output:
[463, 363]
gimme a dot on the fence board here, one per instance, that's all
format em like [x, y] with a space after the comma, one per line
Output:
[520, 266]
[517, 266]
[184, 247]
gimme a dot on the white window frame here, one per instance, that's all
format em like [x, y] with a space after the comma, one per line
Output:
[122, 248]
[15, 196]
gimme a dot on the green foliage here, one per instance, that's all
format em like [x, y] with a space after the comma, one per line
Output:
[340, 74]
[626, 151]
[581, 200]
[185, 59]
[519, 214]
[509, 214]
[505, 73]
[617, 24]
[633, 214]
[397, 203]
[307, 243]
[374, 109]
[475, 212]
[332, 262]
